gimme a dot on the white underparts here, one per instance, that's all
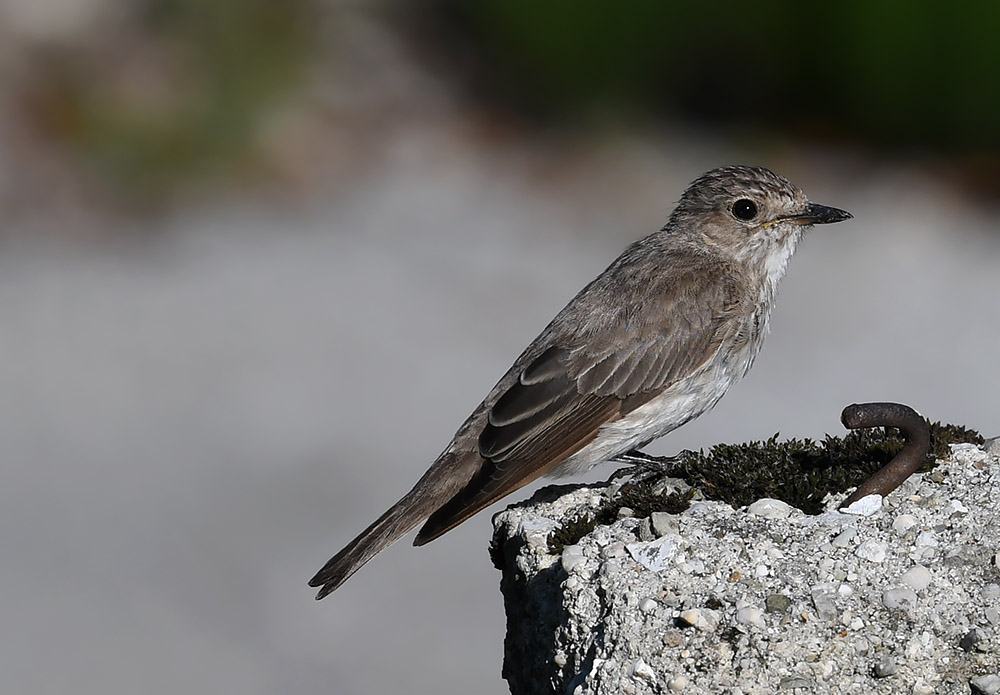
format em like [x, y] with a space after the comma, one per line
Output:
[679, 404]
[699, 392]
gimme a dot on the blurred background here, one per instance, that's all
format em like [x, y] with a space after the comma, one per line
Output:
[258, 260]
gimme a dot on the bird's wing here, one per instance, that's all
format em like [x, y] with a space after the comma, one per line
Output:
[561, 398]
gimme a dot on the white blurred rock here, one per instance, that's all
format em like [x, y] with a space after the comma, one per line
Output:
[770, 508]
[871, 550]
[702, 619]
[903, 523]
[900, 598]
[986, 685]
[917, 578]
[866, 506]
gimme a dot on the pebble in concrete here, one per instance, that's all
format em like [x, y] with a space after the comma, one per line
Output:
[986, 685]
[917, 578]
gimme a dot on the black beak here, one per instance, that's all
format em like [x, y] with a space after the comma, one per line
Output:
[822, 214]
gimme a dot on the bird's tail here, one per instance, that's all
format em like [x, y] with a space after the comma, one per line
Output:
[380, 535]
[433, 489]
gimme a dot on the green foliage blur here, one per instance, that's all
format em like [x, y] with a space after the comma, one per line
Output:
[894, 73]
[178, 93]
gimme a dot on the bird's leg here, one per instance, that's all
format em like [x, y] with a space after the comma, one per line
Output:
[641, 458]
[641, 464]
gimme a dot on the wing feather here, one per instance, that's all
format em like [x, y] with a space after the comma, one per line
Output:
[589, 376]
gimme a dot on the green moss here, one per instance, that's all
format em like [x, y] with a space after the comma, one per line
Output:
[578, 527]
[800, 472]
[637, 496]
[944, 435]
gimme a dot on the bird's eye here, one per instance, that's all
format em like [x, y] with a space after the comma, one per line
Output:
[744, 209]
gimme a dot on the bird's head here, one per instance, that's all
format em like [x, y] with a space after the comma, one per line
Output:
[749, 213]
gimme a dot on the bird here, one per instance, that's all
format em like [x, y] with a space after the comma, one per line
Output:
[650, 344]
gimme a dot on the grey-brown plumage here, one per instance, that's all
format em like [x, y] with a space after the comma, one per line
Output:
[650, 344]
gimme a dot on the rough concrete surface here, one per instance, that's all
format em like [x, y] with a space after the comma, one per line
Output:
[900, 595]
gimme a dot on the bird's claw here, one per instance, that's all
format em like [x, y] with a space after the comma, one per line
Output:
[642, 466]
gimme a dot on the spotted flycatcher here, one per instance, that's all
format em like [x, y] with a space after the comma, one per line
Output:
[655, 341]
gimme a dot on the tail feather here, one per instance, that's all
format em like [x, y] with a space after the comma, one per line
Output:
[437, 485]
[380, 535]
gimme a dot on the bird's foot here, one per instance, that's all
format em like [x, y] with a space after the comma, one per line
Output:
[642, 465]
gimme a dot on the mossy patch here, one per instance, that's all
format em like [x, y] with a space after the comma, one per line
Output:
[800, 472]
